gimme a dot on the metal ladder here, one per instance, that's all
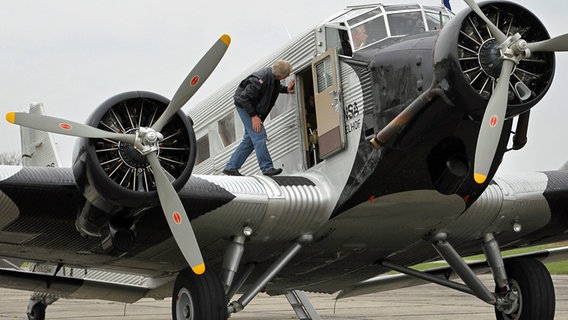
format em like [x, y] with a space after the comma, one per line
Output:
[301, 304]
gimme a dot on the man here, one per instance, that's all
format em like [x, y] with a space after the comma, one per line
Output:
[359, 37]
[254, 98]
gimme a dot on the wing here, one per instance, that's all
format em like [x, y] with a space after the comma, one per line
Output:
[44, 230]
[351, 246]
[87, 284]
[277, 209]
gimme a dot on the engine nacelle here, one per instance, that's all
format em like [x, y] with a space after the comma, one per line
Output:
[467, 59]
[114, 176]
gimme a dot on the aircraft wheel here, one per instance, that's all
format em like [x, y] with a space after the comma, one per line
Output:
[37, 311]
[532, 281]
[198, 297]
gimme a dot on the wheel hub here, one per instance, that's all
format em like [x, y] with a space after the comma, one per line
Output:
[511, 302]
[184, 305]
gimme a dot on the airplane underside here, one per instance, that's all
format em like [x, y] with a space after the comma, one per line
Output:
[314, 263]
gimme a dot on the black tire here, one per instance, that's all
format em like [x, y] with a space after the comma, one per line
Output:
[198, 297]
[536, 290]
[37, 311]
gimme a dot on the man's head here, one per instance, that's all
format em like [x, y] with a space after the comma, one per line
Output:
[281, 69]
[359, 36]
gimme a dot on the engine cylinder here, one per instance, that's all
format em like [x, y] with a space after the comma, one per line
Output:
[468, 59]
[114, 175]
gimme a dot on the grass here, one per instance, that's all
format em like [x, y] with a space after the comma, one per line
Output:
[554, 267]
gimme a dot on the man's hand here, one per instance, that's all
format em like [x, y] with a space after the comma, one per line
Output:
[291, 86]
[256, 124]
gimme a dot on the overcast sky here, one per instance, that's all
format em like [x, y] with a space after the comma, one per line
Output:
[72, 55]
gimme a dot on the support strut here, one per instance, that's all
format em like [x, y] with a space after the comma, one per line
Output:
[427, 277]
[505, 298]
[231, 262]
[462, 269]
[272, 271]
[240, 281]
[495, 260]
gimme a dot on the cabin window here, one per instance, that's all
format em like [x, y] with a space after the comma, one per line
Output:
[226, 128]
[333, 38]
[203, 152]
[283, 103]
[324, 74]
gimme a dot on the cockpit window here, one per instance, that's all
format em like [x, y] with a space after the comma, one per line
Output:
[436, 21]
[365, 16]
[369, 32]
[360, 27]
[406, 23]
[401, 7]
[348, 15]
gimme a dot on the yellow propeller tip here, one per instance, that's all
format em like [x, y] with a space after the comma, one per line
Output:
[479, 178]
[11, 117]
[226, 39]
[199, 269]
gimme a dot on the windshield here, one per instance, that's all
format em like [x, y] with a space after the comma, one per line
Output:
[363, 26]
[406, 23]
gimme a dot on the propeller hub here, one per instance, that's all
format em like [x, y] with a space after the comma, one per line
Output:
[490, 58]
[147, 140]
[131, 155]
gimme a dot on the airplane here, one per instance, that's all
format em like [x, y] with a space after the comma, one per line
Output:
[393, 165]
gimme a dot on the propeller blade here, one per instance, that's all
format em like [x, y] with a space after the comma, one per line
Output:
[194, 80]
[176, 216]
[559, 43]
[66, 127]
[492, 124]
[496, 32]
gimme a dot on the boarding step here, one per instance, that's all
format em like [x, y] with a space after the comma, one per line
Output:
[301, 304]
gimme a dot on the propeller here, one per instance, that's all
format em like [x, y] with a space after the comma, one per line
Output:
[496, 32]
[559, 43]
[492, 124]
[194, 80]
[146, 141]
[66, 127]
[513, 50]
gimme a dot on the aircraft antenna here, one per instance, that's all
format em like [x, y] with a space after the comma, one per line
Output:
[288, 32]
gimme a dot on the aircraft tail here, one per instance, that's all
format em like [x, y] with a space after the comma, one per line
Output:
[38, 147]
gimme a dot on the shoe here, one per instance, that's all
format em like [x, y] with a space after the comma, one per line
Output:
[232, 172]
[273, 172]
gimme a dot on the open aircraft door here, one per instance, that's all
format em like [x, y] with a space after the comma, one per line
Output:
[329, 104]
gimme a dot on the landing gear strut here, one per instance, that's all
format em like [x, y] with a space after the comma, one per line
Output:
[523, 287]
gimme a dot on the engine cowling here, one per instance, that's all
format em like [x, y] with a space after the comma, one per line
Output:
[467, 58]
[114, 176]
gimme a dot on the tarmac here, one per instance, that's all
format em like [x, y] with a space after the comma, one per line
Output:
[418, 303]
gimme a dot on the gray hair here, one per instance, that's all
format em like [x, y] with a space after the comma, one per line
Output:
[281, 68]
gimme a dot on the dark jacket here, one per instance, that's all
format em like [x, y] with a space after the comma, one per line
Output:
[258, 92]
